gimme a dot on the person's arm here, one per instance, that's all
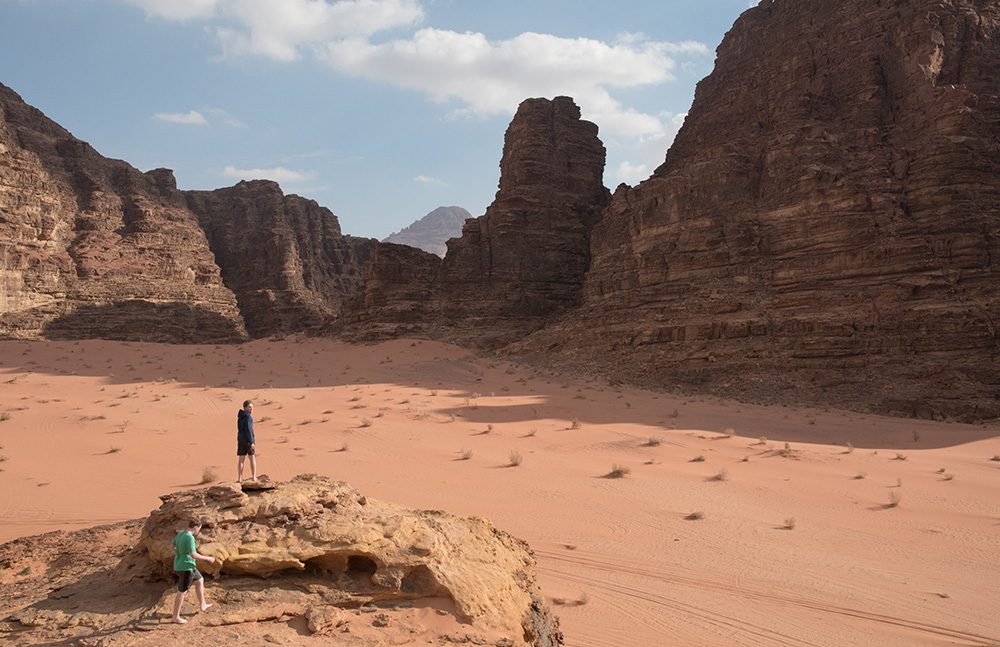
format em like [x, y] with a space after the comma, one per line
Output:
[250, 430]
[205, 558]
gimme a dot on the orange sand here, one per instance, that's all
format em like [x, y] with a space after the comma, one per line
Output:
[617, 556]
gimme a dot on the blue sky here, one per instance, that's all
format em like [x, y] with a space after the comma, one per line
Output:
[380, 110]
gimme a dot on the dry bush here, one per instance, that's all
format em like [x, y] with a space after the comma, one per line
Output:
[489, 428]
[728, 433]
[789, 523]
[531, 433]
[4, 416]
[941, 470]
[209, 475]
[575, 424]
[721, 475]
[365, 422]
[328, 412]
[515, 459]
[466, 454]
[3, 458]
[618, 471]
[850, 448]
[762, 441]
[860, 475]
[654, 441]
[344, 447]
[745, 459]
[434, 392]
[675, 413]
[355, 398]
[947, 477]
[916, 436]
[697, 515]
[895, 496]
[899, 482]
[900, 457]
[996, 457]
[404, 402]
[114, 449]
[697, 459]
[264, 419]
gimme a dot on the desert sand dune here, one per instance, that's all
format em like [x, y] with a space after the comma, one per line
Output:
[732, 524]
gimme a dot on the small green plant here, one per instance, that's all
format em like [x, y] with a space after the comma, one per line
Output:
[25, 571]
[515, 459]
[209, 475]
[618, 471]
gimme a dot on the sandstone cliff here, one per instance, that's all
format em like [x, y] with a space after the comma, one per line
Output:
[431, 232]
[525, 259]
[91, 247]
[352, 570]
[826, 226]
[284, 256]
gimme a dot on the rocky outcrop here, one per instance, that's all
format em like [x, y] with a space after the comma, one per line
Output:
[92, 247]
[348, 566]
[826, 226]
[525, 259]
[283, 256]
[431, 232]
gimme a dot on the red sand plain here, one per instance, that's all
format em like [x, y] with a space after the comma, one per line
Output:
[97, 430]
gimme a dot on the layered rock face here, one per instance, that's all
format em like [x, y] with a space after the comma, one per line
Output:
[284, 256]
[525, 259]
[826, 226]
[353, 569]
[92, 247]
[431, 232]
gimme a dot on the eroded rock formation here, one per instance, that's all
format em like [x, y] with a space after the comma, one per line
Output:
[525, 259]
[350, 567]
[431, 232]
[284, 256]
[826, 226]
[92, 247]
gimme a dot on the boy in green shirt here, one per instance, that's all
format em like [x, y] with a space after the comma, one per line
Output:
[184, 566]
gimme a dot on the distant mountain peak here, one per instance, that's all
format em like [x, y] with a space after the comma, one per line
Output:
[432, 231]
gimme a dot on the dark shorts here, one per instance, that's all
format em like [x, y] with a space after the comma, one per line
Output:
[186, 578]
[244, 449]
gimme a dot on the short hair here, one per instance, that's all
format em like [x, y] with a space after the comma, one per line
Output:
[247, 403]
[194, 523]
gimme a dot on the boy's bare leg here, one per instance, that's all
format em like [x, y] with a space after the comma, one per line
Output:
[253, 467]
[199, 589]
[239, 469]
[178, 601]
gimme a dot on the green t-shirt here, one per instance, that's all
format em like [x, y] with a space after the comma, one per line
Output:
[184, 545]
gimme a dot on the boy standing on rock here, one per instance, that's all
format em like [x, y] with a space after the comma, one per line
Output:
[245, 441]
[185, 555]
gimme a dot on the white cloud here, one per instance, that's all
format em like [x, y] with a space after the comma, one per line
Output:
[426, 179]
[191, 118]
[278, 174]
[632, 173]
[492, 77]
[196, 118]
[278, 29]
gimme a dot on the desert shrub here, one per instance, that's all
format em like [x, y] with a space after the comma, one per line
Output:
[575, 424]
[466, 454]
[721, 475]
[697, 515]
[4, 416]
[114, 449]
[618, 471]
[515, 459]
[895, 496]
[900, 457]
[698, 459]
[789, 523]
[947, 477]
[209, 475]
[860, 475]
[365, 422]
[654, 441]
[916, 436]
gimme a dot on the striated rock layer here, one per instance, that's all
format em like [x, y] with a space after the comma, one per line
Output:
[284, 256]
[431, 232]
[355, 570]
[826, 226]
[92, 247]
[524, 260]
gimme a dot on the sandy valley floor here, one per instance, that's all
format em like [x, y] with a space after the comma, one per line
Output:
[716, 536]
